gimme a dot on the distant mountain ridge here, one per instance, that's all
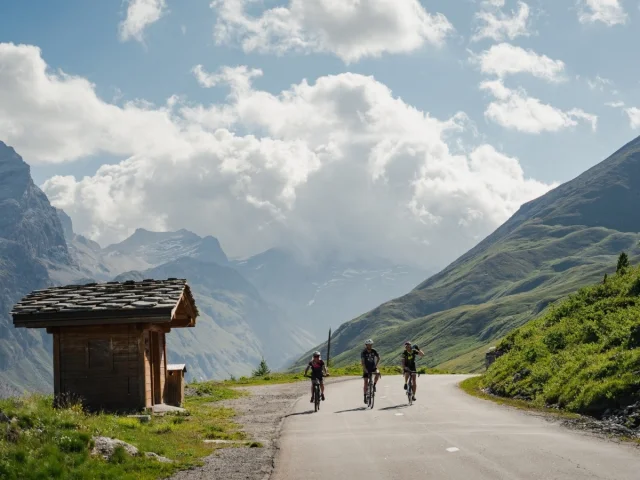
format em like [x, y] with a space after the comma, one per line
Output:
[550, 247]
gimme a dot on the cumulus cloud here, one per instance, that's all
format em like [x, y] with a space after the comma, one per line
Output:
[515, 110]
[141, 14]
[634, 117]
[609, 12]
[505, 59]
[338, 164]
[498, 25]
[349, 29]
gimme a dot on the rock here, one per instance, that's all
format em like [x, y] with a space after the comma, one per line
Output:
[158, 457]
[141, 418]
[105, 447]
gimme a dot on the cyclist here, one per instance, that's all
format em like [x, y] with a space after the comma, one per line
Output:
[369, 359]
[409, 365]
[318, 369]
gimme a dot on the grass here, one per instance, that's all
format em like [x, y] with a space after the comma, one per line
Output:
[473, 386]
[354, 370]
[582, 356]
[46, 443]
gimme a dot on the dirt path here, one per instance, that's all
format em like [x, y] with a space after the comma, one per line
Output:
[261, 415]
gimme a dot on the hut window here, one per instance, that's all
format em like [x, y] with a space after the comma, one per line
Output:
[100, 357]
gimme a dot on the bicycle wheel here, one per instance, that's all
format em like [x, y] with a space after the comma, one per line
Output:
[410, 392]
[317, 397]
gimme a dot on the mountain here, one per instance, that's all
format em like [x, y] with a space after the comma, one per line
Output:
[237, 327]
[156, 248]
[328, 291]
[550, 247]
[142, 250]
[32, 251]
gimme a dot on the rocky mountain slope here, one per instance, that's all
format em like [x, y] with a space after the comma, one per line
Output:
[550, 247]
[31, 243]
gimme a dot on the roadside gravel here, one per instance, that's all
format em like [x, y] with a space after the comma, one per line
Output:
[261, 415]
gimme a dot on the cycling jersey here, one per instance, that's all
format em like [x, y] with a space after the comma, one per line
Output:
[369, 358]
[410, 360]
[316, 369]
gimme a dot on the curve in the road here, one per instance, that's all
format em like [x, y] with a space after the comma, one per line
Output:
[446, 434]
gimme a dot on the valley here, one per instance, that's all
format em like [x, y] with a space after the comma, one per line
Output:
[272, 305]
[549, 248]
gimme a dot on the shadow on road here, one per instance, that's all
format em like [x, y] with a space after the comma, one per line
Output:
[308, 412]
[395, 407]
[352, 410]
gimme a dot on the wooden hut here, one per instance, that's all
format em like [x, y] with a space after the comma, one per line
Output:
[109, 344]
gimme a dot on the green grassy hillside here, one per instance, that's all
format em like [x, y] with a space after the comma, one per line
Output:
[552, 246]
[583, 355]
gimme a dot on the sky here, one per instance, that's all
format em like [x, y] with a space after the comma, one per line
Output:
[406, 130]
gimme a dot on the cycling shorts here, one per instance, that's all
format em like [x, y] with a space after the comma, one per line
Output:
[372, 369]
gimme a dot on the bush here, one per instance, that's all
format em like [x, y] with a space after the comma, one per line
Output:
[262, 370]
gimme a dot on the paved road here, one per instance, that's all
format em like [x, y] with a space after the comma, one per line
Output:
[445, 435]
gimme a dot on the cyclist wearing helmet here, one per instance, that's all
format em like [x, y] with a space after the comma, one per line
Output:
[409, 365]
[369, 359]
[318, 368]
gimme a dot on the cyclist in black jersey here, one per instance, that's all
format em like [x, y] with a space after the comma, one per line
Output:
[409, 365]
[369, 359]
[318, 370]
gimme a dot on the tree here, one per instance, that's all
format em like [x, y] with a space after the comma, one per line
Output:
[604, 280]
[623, 263]
[262, 370]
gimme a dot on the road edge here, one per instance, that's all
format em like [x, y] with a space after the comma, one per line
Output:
[572, 421]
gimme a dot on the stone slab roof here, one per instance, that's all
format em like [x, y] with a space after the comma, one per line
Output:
[147, 298]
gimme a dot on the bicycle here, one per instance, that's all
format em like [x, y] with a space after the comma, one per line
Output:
[410, 386]
[316, 392]
[371, 393]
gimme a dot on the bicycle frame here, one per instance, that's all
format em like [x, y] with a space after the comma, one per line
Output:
[410, 386]
[370, 393]
[316, 392]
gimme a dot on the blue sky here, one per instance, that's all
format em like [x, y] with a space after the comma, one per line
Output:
[82, 39]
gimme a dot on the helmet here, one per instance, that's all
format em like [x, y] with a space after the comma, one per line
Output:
[407, 343]
[368, 342]
[316, 354]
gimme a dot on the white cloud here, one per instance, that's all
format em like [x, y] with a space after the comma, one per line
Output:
[515, 110]
[498, 26]
[599, 83]
[634, 116]
[349, 29]
[609, 12]
[505, 59]
[141, 14]
[618, 104]
[339, 163]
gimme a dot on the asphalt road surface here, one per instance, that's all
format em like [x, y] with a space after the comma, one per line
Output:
[445, 434]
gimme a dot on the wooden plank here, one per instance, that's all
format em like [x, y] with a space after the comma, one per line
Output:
[157, 318]
[56, 364]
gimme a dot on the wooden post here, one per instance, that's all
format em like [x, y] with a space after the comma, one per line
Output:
[329, 347]
[56, 368]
